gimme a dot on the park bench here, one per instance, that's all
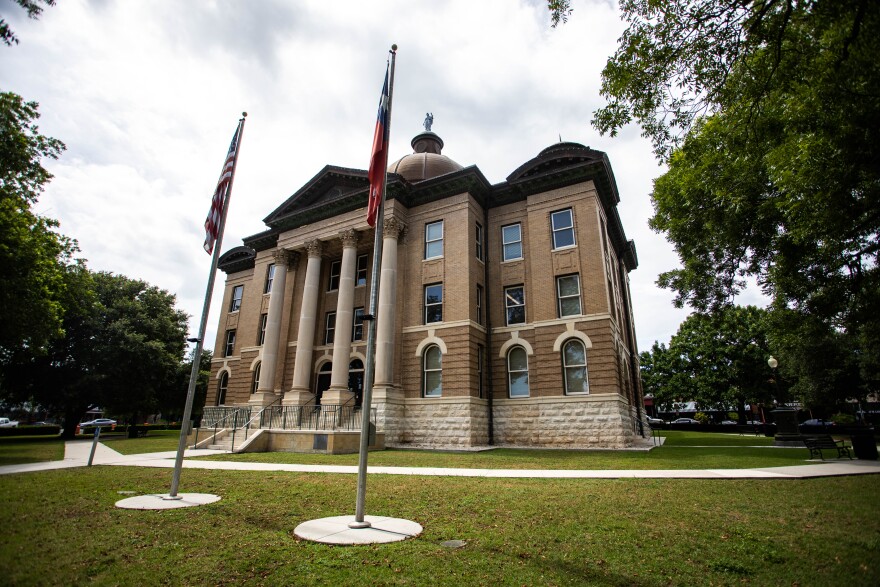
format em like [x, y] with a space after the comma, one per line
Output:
[817, 444]
[137, 431]
[744, 429]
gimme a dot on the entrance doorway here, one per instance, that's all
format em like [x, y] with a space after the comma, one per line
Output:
[323, 381]
[356, 380]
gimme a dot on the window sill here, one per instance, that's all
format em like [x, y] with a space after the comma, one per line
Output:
[565, 248]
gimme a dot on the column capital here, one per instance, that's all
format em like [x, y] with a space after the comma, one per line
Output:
[394, 227]
[286, 257]
[314, 248]
[349, 238]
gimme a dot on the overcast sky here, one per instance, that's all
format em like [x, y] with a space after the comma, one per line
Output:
[146, 95]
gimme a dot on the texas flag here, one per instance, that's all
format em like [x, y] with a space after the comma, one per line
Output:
[379, 159]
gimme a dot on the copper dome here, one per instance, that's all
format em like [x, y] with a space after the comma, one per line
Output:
[426, 160]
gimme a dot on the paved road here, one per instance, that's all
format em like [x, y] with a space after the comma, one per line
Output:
[76, 454]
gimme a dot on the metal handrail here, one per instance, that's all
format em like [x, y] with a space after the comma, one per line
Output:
[311, 417]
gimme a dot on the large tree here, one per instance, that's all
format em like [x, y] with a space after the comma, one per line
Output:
[122, 345]
[33, 256]
[718, 360]
[768, 115]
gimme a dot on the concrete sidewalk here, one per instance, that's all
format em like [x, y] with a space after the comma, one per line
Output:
[76, 454]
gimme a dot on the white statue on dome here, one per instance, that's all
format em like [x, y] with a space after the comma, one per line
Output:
[429, 120]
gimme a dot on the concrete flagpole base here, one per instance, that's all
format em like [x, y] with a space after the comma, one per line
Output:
[336, 530]
[164, 501]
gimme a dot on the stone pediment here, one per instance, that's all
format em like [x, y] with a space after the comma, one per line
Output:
[330, 189]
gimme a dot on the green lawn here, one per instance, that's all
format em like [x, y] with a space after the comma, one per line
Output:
[16, 450]
[682, 450]
[154, 441]
[60, 528]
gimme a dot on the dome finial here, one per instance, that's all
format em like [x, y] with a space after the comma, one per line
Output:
[429, 120]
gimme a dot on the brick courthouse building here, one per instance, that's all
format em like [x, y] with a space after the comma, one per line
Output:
[504, 314]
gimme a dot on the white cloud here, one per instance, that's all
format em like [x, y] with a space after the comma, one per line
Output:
[146, 94]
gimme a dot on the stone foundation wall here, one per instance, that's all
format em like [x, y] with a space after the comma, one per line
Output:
[597, 421]
[440, 423]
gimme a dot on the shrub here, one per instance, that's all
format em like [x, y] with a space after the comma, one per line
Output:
[701, 418]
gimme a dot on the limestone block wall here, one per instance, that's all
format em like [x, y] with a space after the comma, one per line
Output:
[596, 421]
[442, 423]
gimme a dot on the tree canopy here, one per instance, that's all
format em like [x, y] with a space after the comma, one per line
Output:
[718, 360]
[768, 115]
[122, 345]
[33, 256]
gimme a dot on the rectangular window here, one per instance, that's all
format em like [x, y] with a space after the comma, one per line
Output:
[568, 295]
[515, 304]
[261, 338]
[229, 348]
[330, 328]
[511, 241]
[479, 304]
[479, 241]
[270, 276]
[434, 303]
[563, 229]
[235, 304]
[361, 275]
[357, 327]
[434, 240]
[335, 269]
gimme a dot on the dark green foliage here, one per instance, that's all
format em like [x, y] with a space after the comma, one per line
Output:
[718, 360]
[768, 114]
[33, 257]
[121, 349]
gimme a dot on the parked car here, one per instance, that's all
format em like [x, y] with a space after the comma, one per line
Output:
[7, 423]
[655, 421]
[684, 421]
[729, 423]
[98, 422]
[817, 422]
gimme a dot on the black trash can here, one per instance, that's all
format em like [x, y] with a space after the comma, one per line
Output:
[864, 444]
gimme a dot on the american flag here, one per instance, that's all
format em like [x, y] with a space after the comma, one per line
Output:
[212, 223]
[379, 159]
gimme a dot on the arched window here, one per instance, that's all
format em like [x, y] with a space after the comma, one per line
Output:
[518, 372]
[221, 388]
[432, 366]
[574, 366]
[256, 383]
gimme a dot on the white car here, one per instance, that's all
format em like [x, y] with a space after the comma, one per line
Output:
[98, 422]
[655, 421]
[7, 423]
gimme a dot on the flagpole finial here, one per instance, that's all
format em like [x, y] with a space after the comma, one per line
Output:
[244, 114]
[394, 47]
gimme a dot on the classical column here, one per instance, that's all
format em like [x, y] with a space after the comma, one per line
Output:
[338, 393]
[265, 393]
[300, 393]
[387, 302]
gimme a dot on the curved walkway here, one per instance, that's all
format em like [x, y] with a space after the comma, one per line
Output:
[76, 454]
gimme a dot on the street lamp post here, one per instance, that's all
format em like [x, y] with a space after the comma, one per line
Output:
[787, 433]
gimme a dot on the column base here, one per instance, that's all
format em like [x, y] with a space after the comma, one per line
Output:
[337, 397]
[298, 397]
[383, 393]
[262, 398]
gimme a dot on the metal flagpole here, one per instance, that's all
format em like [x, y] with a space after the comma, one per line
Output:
[370, 367]
[197, 355]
